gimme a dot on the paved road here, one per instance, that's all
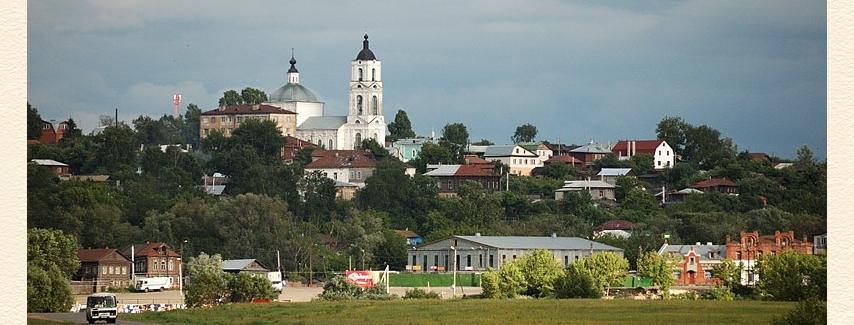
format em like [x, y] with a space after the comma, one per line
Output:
[77, 318]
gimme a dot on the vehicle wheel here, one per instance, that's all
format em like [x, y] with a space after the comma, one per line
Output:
[146, 290]
[111, 320]
[91, 321]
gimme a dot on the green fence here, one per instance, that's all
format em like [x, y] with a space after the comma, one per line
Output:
[434, 279]
[634, 282]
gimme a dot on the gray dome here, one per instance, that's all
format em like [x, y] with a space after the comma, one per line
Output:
[293, 93]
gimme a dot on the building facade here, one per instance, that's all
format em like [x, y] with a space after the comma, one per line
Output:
[477, 253]
[717, 185]
[449, 178]
[155, 260]
[225, 119]
[346, 166]
[695, 262]
[663, 155]
[521, 161]
[590, 153]
[598, 190]
[105, 268]
[751, 246]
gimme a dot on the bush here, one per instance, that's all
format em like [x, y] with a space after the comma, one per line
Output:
[577, 283]
[541, 270]
[245, 288]
[490, 284]
[417, 293]
[338, 288]
[807, 312]
[719, 293]
[208, 288]
[793, 276]
[690, 295]
[47, 290]
[511, 280]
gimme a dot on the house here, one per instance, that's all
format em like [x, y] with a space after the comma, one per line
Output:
[252, 266]
[759, 156]
[57, 168]
[751, 246]
[663, 155]
[450, 177]
[408, 149]
[292, 146]
[566, 159]
[412, 239]
[616, 228]
[479, 162]
[609, 175]
[559, 149]
[676, 196]
[225, 119]
[348, 166]
[155, 260]
[599, 190]
[51, 132]
[344, 190]
[820, 244]
[541, 149]
[717, 185]
[477, 253]
[695, 262]
[521, 161]
[105, 267]
[590, 153]
[215, 185]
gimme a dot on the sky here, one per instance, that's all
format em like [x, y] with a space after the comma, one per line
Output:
[578, 71]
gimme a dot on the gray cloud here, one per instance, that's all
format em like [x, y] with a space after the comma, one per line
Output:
[607, 70]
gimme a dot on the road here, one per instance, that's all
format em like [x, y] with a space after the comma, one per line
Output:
[77, 318]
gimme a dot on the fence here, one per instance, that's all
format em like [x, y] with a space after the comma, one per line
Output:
[433, 280]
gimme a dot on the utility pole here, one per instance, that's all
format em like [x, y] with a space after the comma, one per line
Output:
[454, 285]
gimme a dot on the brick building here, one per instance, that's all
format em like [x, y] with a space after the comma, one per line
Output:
[155, 260]
[227, 118]
[449, 178]
[104, 267]
[717, 185]
[695, 262]
[751, 246]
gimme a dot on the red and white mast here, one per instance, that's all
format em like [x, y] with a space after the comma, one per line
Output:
[176, 101]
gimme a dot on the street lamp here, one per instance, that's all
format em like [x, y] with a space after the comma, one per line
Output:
[454, 285]
[181, 269]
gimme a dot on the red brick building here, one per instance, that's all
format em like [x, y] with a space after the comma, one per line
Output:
[155, 260]
[104, 267]
[751, 246]
[51, 134]
[695, 262]
[717, 185]
[292, 146]
[449, 178]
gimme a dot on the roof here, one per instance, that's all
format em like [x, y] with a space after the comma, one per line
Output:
[532, 146]
[239, 265]
[506, 150]
[293, 92]
[418, 141]
[475, 160]
[616, 225]
[94, 254]
[342, 159]
[407, 233]
[293, 67]
[639, 146]
[531, 242]
[564, 159]
[344, 184]
[457, 171]
[712, 182]
[702, 250]
[213, 189]
[150, 249]
[248, 109]
[476, 148]
[570, 185]
[366, 54]
[759, 156]
[48, 162]
[592, 148]
[323, 123]
[614, 171]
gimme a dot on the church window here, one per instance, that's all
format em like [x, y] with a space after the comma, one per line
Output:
[374, 105]
[335, 176]
[319, 142]
[359, 104]
[360, 74]
[357, 122]
[358, 141]
[373, 74]
[375, 135]
[330, 144]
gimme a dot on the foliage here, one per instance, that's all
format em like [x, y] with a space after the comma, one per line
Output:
[673, 129]
[230, 97]
[208, 288]
[400, 128]
[625, 184]
[251, 224]
[251, 95]
[391, 251]
[810, 311]
[245, 287]
[792, 276]
[658, 268]
[511, 279]
[720, 293]
[47, 290]
[728, 273]
[541, 270]
[577, 282]
[524, 133]
[490, 284]
[455, 137]
[607, 269]
[34, 122]
[375, 148]
[339, 288]
[561, 171]
[483, 142]
[432, 154]
[204, 263]
[417, 293]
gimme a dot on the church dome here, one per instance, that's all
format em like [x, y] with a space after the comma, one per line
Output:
[293, 92]
[365, 54]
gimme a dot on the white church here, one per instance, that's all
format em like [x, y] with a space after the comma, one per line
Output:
[365, 114]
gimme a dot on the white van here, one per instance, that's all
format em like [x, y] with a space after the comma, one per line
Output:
[101, 306]
[155, 283]
[276, 279]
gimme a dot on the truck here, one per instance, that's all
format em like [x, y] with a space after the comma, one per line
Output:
[102, 306]
[276, 279]
[154, 283]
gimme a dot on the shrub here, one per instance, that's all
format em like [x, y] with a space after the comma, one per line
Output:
[541, 270]
[577, 283]
[338, 288]
[511, 280]
[720, 293]
[417, 293]
[808, 312]
[793, 276]
[245, 288]
[47, 290]
[490, 284]
[207, 289]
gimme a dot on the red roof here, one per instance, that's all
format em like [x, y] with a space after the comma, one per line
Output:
[248, 109]
[406, 233]
[342, 159]
[151, 250]
[475, 160]
[714, 182]
[564, 159]
[472, 170]
[616, 225]
[759, 156]
[93, 254]
[640, 146]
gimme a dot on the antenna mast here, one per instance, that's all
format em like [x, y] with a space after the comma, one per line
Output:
[176, 101]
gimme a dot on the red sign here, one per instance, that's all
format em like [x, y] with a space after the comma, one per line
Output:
[361, 278]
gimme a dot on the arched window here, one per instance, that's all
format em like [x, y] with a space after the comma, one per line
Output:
[374, 105]
[330, 145]
[360, 74]
[359, 104]
[319, 142]
[358, 142]
[373, 74]
[375, 136]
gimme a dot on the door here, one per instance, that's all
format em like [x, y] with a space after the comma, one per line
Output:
[692, 277]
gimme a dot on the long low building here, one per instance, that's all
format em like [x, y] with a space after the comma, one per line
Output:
[477, 253]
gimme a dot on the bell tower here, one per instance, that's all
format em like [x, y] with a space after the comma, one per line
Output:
[366, 87]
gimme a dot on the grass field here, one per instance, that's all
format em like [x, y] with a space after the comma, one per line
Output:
[477, 311]
[472, 280]
[37, 321]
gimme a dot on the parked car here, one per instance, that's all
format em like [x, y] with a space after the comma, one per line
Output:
[155, 283]
[101, 306]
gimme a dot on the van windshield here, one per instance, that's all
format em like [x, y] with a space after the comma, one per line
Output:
[101, 302]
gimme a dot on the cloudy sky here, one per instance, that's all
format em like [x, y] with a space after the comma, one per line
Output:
[609, 70]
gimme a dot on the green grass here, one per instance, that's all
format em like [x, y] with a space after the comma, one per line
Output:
[480, 311]
[434, 279]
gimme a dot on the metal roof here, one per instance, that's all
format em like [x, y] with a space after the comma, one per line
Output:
[530, 242]
[237, 265]
[701, 250]
[592, 148]
[614, 171]
[323, 123]
[48, 162]
[293, 92]
[506, 150]
[441, 170]
[366, 54]
[571, 185]
[476, 148]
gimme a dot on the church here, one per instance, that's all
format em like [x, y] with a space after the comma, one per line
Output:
[365, 106]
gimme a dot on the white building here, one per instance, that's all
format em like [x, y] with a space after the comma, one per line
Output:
[520, 160]
[662, 153]
[609, 175]
[598, 189]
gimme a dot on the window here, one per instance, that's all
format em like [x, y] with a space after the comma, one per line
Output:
[424, 265]
[375, 105]
[414, 260]
[738, 255]
[330, 145]
[658, 162]
[503, 258]
[480, 260]
[358, 141]
[222, 119]
[359, 104]
[360, 74]
[446, 261]
[112, 270]
[170, 265]
[691, 260]
[514, 257]
[566, 260]
[435, 260]
[335, 176]
[490, 261]
[373, 74]
[103, 270]
[124, 270]
[162, 264]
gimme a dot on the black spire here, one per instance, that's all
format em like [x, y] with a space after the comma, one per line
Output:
[365, 42]
[366, 54]
[292, 61]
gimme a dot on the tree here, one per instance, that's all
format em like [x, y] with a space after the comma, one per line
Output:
[72, 132]
[318, 197]
[261, 135]
[230, 97]
[483, 142]
[808, 312]
[673, 131]
[577, 283]
[455, 137]
[728, 273]
[511, 280]
[245, 287]
[541, 270]
[626, 184]
[34, 122]
[253, 225]
[524, 133]
[208, 288]
[116, 149]
[47, 290]
[204, 263]
[251, 95]
[658, 268]
[391, 251]
[375, 148]
[561, 171]
[805, 157]
[51, 260]
[793, 276]
[607, 269]
[401, 128]
[489, 281]
[432, 154]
